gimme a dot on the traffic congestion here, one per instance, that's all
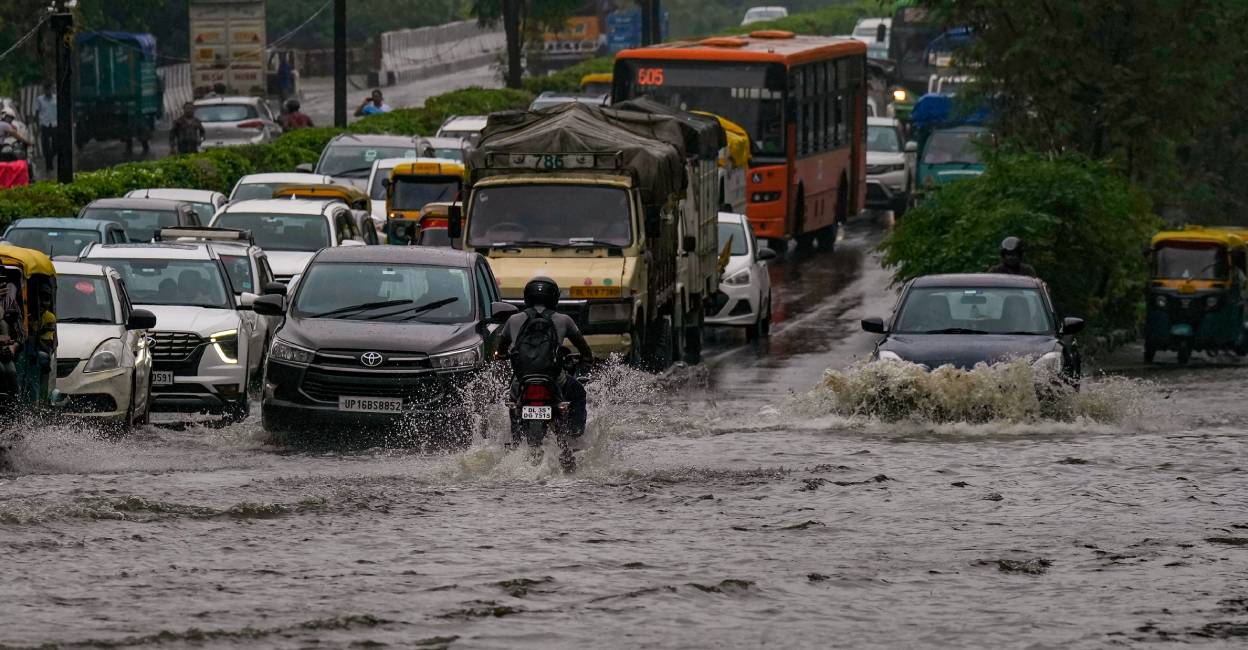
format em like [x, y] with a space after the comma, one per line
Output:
[673, 360]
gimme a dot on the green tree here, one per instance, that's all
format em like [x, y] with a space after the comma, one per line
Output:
[524, 20]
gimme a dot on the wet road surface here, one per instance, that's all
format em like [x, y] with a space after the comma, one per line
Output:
[733, 505]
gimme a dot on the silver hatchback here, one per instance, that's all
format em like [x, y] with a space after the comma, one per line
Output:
[235, 121]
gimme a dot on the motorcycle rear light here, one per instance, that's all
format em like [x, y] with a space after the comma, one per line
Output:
[537, 392]
[251, 124]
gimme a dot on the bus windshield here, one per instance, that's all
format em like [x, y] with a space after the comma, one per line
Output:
[750, 94]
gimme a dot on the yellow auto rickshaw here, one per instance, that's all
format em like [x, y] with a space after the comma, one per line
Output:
[597, 83]
[414, 185]
[27, 329]
[357, 199]
[434, 224]
[1197, 292]
[734, 163]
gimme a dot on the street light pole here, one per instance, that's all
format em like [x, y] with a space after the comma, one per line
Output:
[63, 29]
[340, 63]
[647, 30]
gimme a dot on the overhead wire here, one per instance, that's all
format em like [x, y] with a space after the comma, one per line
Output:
[22, 41]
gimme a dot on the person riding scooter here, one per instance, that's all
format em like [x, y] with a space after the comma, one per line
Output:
[541, 297]
[1012, 259]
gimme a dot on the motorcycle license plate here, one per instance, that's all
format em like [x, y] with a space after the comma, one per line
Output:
[535, 412]
[370, 404]
[162, 378]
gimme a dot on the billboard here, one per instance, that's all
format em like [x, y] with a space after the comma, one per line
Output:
[228, 44]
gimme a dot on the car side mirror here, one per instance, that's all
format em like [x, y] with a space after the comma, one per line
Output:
[501, 311]
[141, 319]
[881, 33]
[455, 222]
[689, 244]
[247, 300]
[270, 305]
[275, 289]
[873, 325]
[765, 254]
[912, 147]
[304, 168]
[1072, 325]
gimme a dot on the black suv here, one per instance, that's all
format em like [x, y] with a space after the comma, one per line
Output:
[373, 335]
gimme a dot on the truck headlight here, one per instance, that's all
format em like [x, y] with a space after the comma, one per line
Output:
[107, 356]
[1048, 363]
[900, 95]
[226, 345]
[739, 278]
[457, 360]
[613, 312]
[284, 351]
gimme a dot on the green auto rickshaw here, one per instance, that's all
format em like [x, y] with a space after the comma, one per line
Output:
[1197, 292]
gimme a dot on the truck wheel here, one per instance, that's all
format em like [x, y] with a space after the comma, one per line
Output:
[1150, 351]
[1185, 352]
[693, 345]
[635, 356]
[657, 350]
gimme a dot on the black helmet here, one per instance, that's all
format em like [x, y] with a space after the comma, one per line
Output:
[292, 105]
[1012, 246]
[541, 291]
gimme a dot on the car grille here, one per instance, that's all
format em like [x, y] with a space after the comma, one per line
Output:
[415, 389]
[175, 346]
[65, 367]
[392, 360]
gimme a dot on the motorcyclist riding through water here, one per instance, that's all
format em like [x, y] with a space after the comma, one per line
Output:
[1012, 259]
[541, 297]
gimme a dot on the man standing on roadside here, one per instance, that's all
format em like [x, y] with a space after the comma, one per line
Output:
[45, 114]
[187, 132]
[373, 105]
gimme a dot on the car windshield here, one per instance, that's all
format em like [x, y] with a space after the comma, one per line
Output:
[953, 147]
[253, 191]
[281, 232]
[974, 310]
[204, 211]
[415, 192]
[1190, 261]
[378, 190]
[735, 232]
[883, 138]
[380, 292]
[357, 161]
[238, 267]
[140, 225]
[195, 283]
[53, 242]
[450, 153]
[84, 299]
[226, 113]
[522, 215]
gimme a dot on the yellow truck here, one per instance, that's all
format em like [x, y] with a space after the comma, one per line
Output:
[412, 186]
[617, 206]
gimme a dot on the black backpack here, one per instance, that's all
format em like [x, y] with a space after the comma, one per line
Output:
[536, 348]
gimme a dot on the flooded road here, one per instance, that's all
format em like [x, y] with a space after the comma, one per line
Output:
[733, 505]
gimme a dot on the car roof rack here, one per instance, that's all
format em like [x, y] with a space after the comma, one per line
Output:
[204, 233]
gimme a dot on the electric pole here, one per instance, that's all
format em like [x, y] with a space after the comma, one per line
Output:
[647, 29]
[656, 22]
[63, 29]
[340, 63]
[511, 26]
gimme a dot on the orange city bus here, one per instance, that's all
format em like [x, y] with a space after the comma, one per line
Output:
[801, 98]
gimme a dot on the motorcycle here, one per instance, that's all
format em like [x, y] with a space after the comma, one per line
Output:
[538, 408]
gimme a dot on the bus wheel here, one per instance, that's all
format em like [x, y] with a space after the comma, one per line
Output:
[805, 240]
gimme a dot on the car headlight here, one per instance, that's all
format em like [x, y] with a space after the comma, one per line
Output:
[1049, 362]
[284, 351]
[893, 168]
[739, 278]
[900, 95]
[613, 312]
[107, 356]
[457, 360]
[885, 355]
[1160, 301]
[226, 345]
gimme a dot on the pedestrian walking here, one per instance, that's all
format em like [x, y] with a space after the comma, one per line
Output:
[187, 132]
[45, 115]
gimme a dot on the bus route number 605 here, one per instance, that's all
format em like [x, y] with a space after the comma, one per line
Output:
[650, 76]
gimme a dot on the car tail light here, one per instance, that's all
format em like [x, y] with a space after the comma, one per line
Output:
[537, 393]
[252, 124]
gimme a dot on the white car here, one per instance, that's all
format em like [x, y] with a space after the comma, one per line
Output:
[104, 361]
[464, 127]
[888, 179]
[262, 186]
[744, 298]
[763, 14]
[236, 121]
[291, 232]
[204, 202]
[377, 187]
[204, 358]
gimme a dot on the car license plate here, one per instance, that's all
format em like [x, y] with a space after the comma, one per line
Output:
[162, 378]
[370, 404]
[535, 412]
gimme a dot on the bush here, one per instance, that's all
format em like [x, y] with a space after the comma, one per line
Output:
[568, 80]
[1083, 224]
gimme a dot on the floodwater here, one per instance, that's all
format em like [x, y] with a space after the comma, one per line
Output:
[751, 502]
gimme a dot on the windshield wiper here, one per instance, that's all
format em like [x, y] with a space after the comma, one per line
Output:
[416, 311]
[531, 242]
[358, 308]
[353, 172]
[580, 242]
[956, 330]
[87, 319]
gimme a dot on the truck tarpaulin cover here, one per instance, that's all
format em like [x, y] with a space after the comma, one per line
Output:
[652, 147]
[704, 137]
[934, 110]
[144, 43]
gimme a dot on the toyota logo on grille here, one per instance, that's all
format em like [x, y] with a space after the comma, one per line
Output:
[372, 359]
